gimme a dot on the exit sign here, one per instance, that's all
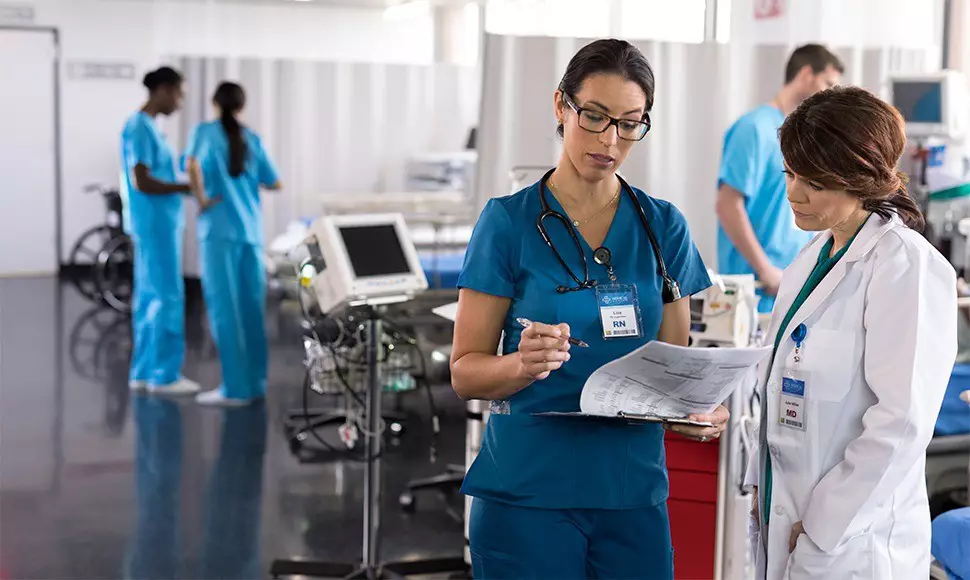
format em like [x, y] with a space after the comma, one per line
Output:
[766, 9]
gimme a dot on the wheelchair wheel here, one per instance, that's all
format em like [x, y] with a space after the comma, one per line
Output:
[84, 253]
[85, 348]
[114, 273]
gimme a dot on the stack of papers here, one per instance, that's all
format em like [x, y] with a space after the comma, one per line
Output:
[663, 383]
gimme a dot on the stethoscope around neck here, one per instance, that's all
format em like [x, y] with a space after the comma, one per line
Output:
[601, 255]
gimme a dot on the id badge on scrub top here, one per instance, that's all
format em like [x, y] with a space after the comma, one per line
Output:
[794, 389]
[619, 310]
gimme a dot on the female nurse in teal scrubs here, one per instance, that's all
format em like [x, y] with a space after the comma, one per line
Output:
[573, 498]
[227, 166]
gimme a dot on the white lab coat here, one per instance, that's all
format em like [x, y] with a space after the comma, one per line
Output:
[880, 347]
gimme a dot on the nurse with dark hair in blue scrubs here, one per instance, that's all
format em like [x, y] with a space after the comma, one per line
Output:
[565, 497]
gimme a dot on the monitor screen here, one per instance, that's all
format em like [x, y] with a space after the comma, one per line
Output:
[374, 250]
[919, 101]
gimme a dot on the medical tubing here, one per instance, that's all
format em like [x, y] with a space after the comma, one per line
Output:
[349, 454]
[340, 376]
[413, 343]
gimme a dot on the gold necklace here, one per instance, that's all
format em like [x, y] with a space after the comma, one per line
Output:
[577, 223]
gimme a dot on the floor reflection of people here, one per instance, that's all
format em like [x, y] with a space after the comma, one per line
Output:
[233, 497]
[154, 552]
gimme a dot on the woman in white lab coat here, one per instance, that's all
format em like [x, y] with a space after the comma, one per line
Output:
[865, 338]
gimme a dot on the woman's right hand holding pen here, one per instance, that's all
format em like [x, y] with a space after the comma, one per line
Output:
[543, 348]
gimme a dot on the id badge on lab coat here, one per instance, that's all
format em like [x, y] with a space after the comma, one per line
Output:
[792, 413]
[794, 390]
[619, 310]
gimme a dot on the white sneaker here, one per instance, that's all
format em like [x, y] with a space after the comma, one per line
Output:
[218, 399]
[137, 385]
[179, 388]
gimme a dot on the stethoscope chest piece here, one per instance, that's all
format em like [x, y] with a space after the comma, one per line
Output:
[603, 256]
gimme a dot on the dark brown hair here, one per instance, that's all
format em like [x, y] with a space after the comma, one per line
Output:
[603, 56]
[814, 55]
[847, 138]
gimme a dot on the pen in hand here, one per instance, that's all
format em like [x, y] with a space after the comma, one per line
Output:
[526, 323]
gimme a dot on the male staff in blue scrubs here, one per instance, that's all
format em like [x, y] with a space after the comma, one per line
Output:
[227, 165]
[757, 233]
[563, 497]
[154, 219]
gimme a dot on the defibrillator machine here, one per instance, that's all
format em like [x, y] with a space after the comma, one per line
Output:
[363, 259]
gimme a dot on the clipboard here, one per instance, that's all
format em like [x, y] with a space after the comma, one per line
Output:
[627, 417]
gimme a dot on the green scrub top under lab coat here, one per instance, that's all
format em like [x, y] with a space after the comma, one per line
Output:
[824, 265]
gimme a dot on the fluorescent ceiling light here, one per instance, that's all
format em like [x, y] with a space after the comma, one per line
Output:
[408, 9]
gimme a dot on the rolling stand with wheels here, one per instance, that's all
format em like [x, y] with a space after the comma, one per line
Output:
[370, 567]
[365, 261]
[446, 483]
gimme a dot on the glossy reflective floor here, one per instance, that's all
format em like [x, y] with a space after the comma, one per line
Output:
[98, 483]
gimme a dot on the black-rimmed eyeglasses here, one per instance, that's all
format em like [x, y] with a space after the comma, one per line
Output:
[598, 122]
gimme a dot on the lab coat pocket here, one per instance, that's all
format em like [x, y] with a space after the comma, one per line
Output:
[852, 560]
[831, 358]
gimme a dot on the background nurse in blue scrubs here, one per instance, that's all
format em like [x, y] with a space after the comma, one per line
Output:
[555, 497]
[154, 219]
[227, 165]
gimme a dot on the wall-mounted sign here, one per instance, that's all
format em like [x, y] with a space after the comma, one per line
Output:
[17, 13]
[86, 70]
[765, 9]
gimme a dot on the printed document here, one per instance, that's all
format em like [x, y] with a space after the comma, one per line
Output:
[661, 382]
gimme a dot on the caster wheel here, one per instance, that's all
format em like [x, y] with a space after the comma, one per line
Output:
[408, 502]
[296, 442]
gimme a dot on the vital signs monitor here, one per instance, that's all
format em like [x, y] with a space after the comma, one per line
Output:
[363, 259]
[933, 104]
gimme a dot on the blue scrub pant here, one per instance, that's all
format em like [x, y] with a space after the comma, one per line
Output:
[518, 542]
[234, 285]
[155, 551]
[158, 308]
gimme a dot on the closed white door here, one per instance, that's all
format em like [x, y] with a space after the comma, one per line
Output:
[28, 157]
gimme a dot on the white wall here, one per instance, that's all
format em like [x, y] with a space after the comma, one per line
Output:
[291, 31]
[909, 24]
[144, 33]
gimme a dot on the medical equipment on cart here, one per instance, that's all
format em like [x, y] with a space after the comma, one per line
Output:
[363, 259]
[357, 265]
[936, 108]
[726, 314]
[933, 104]
[708, 508]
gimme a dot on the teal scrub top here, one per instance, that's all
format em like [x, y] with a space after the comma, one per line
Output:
[823, 266]
[238, 216]
[570, 463]
[752, 164]
[142, 143]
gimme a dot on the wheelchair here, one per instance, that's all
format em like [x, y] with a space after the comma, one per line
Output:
[102, 259]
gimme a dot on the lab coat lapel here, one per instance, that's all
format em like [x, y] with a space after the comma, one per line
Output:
[864, 242]
[794, 278]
